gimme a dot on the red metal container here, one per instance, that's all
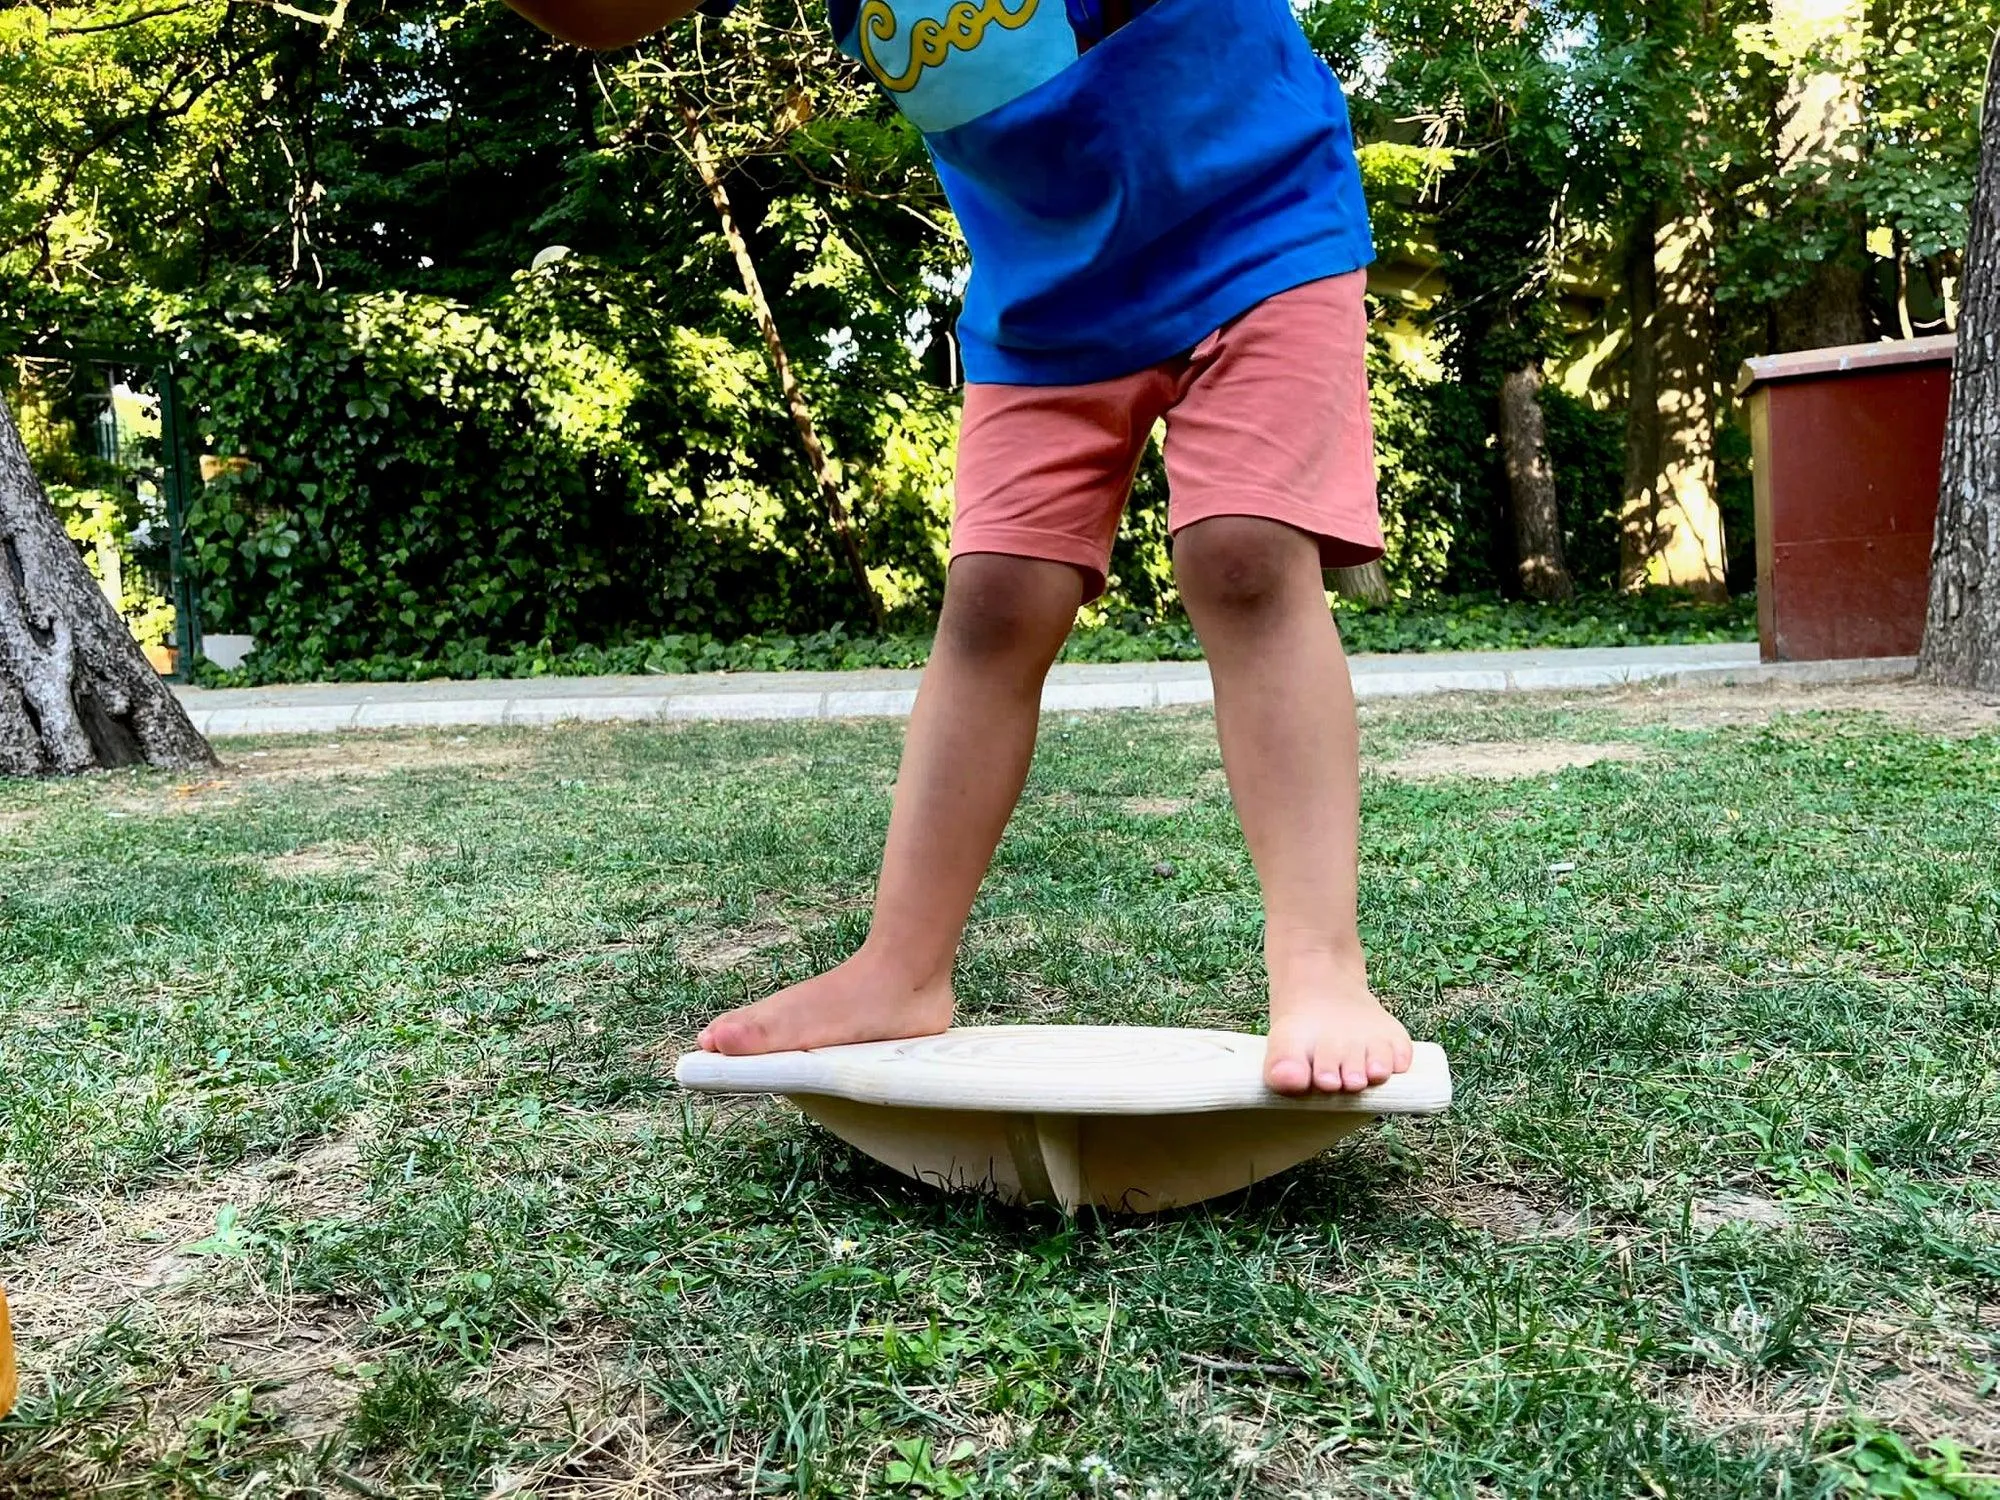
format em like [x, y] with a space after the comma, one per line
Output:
[1848, 445]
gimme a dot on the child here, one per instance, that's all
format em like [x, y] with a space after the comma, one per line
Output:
[1166, 221]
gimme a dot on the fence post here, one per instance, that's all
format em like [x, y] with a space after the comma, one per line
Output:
[177, 480]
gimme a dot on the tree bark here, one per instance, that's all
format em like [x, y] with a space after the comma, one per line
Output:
[1962, 627]
[76, 692]
[1672, 525]
[1531, 487]
[795, 397]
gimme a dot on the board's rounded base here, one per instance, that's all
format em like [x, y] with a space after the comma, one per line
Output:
[1134, 1164]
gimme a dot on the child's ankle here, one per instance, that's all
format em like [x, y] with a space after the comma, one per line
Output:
[897, 970]
[1316, 960]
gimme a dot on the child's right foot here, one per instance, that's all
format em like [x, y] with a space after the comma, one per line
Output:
[862, 1000]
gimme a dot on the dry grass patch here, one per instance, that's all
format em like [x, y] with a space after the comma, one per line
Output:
[1906, 1377]
[586, 1386]
[142, 1252]
[1503, 1210]
[1912, 705]
[163, 1259]
[371, 755]
[710, 952]
[1724, 1210]
[1154, 807]
[320, 859]
[1502, 760]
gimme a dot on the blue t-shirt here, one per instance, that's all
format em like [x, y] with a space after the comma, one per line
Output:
[1122, 197]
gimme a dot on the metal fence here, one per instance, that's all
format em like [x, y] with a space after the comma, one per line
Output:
[115, 424]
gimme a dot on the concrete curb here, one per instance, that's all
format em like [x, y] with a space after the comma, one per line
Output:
[1076, 689]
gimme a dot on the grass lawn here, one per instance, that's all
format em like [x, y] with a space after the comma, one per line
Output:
[339, 1152]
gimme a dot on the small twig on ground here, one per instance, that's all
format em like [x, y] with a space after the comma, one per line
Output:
[1247, 1366]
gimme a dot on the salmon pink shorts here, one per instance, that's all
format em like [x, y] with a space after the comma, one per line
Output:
[1267, 416]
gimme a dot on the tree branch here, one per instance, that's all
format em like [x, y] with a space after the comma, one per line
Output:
[123, 21]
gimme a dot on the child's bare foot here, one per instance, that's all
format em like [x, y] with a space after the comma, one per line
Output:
[1328, 1033]
[863, 1000]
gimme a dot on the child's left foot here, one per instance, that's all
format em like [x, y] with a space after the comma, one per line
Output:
[1328, 1033]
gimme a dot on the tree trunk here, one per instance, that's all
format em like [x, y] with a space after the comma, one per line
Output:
[76, 692]
[1672, 525]
[1531, 487]
[1962, 629]
[1816, 123]
[1369, 583]
[795, 397]
[1642, 398]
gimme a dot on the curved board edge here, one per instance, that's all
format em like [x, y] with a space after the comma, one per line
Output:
[762, 1073]
[857, 1073]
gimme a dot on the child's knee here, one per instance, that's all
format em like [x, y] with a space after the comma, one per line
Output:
[1242, 564]
[1004, 609]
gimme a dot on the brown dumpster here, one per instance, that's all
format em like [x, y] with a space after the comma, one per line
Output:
[1847, 445]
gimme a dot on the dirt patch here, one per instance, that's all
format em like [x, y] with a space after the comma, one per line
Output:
[583, 1386]
[1740, 1408]
[362, 759]
[1930, 710]
[1506, 1213]
[1915, 1379]
[143, 801]
[718, 952]
[1725, 1210]
[1502, 760]
[382, 755]
[1941, 1403]
[306, 1366]
[320, 859]
[167, 1245]
[1154, 807]
[172, 1260]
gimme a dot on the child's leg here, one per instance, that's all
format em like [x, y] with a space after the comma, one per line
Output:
[1272, 466]
[970, 740]
[1042, 476]
[1284, 708]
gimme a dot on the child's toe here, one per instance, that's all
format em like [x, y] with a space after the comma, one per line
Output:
[1288, 1073]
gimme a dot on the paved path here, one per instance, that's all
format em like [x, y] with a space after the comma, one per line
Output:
[326, 707]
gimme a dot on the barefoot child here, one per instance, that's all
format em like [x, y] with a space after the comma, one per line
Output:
[1166, 221]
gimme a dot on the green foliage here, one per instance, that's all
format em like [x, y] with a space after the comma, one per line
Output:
[422, 476]
[1874, 1461]
[128, 121]
[1443, 492]
[338, 230]
[1436, 477]
[1902, 172]
[106, 525]
[1587, 451]
[1470, 623]
[566, 469]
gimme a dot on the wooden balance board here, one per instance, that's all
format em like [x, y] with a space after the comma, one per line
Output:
[1134, 1119]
